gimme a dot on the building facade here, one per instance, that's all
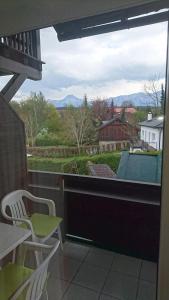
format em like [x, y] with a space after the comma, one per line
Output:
[152, 132]
[117, 132]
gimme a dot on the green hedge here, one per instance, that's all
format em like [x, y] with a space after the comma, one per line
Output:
[73, 165]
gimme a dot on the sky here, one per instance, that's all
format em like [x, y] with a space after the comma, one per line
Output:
[107, 65]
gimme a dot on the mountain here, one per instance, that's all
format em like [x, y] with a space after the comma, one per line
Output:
[138, 99]
[68, 100]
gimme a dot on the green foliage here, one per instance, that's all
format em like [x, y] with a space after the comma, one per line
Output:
[78, 126]
[37, 115]
[148, 152]
[47, 140]
[45, 164]
[74, 165]
[139, 116]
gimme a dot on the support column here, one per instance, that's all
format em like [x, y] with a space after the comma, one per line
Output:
[163, 271]
[13, 86]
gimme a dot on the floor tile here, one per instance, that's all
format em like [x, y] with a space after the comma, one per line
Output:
[147, 291]
[105, 297]
[101, 251]
[63, 267]
[149, 271]
[76, 292]
[121, 286]
[74, 250]
[56, 288]
[91, 277]
[99, 259]
[127, 265]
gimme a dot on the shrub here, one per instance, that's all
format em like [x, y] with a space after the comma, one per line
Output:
[74, 165]
[45, 164]
[47, 140]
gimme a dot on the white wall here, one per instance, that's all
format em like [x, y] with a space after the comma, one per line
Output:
[152, 136]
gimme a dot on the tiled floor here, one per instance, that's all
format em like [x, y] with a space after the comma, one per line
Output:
[87, 273]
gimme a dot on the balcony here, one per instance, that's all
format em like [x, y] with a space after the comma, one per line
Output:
[20, 53]
[112, 214]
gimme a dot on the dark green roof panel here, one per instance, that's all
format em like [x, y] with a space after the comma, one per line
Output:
[140, 167]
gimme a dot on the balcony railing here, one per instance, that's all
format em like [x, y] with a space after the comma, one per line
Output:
[119, 215]
[25, 42]
[23, 47]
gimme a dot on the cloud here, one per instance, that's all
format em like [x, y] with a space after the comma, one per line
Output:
[100, 64]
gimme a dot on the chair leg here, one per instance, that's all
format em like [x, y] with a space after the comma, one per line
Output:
[46, 293]
[38, 254]
[13, 256]
[60, 237]
[21, 255]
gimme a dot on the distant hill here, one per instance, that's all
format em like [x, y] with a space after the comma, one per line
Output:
[68, 100]
[138, 99]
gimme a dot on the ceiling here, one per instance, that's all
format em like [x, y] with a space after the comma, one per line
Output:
[22, 15]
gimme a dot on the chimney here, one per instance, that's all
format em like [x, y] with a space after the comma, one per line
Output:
[149, 116]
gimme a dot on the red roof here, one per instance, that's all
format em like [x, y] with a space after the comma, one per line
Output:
[130, 110]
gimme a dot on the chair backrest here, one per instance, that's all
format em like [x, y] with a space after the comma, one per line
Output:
[14, 202]
[35, 284]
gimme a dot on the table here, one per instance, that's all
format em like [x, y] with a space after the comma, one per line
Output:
[11, 236]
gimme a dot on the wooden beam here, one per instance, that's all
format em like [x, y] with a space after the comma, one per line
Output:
[163, 271]
[9, 66]
[20, 57]
[115, 24]
[114, 15]
[13, 86]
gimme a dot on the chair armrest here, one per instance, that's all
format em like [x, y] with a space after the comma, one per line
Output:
[38, 246]
[27, 222]
[50, 203]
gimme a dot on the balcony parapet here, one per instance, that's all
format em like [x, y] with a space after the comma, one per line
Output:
[120, 215]
[22, 49]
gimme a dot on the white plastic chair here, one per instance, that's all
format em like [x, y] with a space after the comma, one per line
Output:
[42, 226]
[27, 284]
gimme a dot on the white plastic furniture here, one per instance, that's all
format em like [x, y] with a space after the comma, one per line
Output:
[28, 284]
[18, 215]
[11, 236]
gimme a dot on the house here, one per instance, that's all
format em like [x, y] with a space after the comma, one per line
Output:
[117, 132]
[152, 131]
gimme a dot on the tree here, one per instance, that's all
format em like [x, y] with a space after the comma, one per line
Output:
[162, 99]
[37, 115]
[152, 90]
[123, 115]
[100, 110]
[112, 108]
[85, 101]
[79, 126]
[127, 103]
[139, 116]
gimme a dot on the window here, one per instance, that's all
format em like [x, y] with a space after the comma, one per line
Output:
[153, 136]
[142, 133]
